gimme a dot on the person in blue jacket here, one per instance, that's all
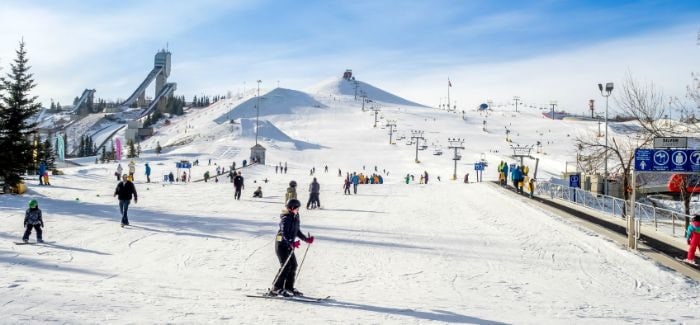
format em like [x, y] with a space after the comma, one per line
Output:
[516, 176]
[148, 173]
[505, 174]
[42, 170]
[355, 180]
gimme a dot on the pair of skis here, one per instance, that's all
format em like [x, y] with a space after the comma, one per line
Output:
[33, 243]
[292, 298]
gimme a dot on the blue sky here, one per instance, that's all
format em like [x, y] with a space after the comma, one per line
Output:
[491, 50]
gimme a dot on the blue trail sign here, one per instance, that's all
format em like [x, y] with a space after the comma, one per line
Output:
[667, 160]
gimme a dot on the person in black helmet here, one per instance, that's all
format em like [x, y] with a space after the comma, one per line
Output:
[285, 244]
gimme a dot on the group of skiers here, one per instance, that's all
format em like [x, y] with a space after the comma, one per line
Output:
[423, 178]
[517, 175]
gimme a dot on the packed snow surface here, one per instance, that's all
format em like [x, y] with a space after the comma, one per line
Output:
[395, 253]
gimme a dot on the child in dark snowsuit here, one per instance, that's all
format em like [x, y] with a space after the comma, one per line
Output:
[258, 192]
[32, 219]
[346, 186]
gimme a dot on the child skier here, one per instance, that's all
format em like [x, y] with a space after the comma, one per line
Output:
[32, 219]
[693, 238]
[258, 192]
[285, 244]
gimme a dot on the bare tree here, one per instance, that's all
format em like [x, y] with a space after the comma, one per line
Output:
[646, 105]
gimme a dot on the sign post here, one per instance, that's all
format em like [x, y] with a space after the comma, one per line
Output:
[670, 142]
[575, 182]
[679, 161]
[479, 168]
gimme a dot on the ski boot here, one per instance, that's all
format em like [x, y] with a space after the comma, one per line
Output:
[296, 292]
[275, 292]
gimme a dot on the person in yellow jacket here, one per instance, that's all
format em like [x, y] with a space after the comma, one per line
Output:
[291, 192]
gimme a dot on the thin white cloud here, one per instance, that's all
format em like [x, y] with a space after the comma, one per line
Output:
[665, 58]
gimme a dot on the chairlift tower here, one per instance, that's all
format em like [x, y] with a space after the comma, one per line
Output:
[553, 104]
[391, 124]
[521, 152]
[456, 144]
[417, 135]
[376, 112]
[364, 99]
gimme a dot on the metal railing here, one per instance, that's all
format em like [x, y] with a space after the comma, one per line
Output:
[663, 220]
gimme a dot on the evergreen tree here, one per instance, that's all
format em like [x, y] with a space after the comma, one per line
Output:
[131, 153]
[16, 107]
[81, 147]
[37, 152]
[58, 106]
[49, 154]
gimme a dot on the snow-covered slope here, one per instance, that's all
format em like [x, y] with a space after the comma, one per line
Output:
[276, 102]
[396, 253]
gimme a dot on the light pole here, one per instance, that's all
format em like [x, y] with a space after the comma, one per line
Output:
[391, 124]
[516, 99]
[355, 85]
[606, 93]
[456, 144]
[417, 135]
[257, 114]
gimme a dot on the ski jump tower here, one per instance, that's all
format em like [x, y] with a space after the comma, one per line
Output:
[160, 73]
[164, 89]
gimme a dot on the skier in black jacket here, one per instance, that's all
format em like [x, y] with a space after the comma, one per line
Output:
[314, 190]
[285, 244]
[238, 184]
[125, 189]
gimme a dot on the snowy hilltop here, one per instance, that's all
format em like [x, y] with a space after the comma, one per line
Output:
[335, 87]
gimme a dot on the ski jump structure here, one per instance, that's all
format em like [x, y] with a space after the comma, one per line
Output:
[86, 97]
[164, 89]
[159, 73]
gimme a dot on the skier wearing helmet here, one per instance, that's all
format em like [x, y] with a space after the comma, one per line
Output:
[291, 191]
[285, 244]
[32, 219]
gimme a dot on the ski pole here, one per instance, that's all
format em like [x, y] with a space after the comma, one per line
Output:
[303, 258]
[283, 267]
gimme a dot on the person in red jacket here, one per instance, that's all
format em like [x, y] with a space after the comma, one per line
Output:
[692, 235]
